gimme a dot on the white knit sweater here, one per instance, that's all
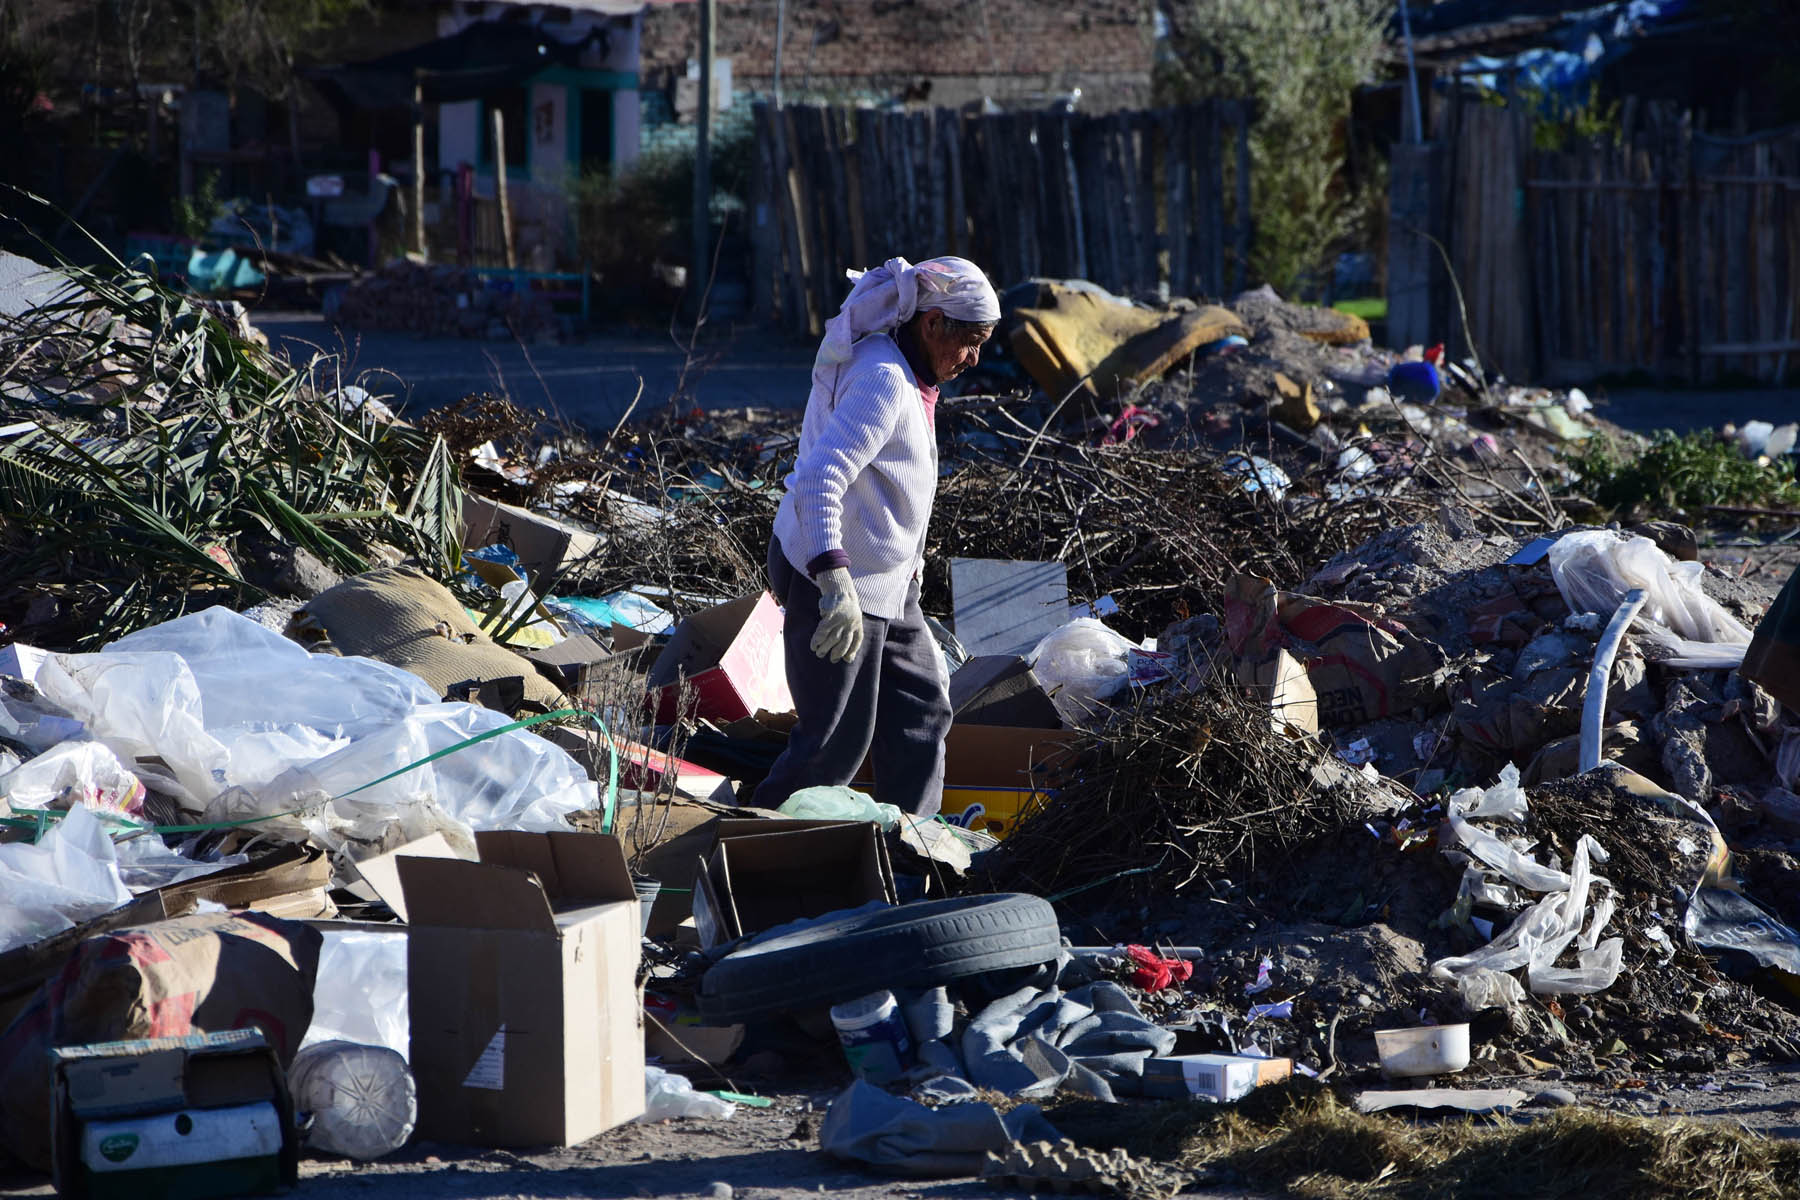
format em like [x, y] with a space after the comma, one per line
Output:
[865, 477]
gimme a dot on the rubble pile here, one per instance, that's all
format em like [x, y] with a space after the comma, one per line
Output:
[443, 300]
[1332, 734]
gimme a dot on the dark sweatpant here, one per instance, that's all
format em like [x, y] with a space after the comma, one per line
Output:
[891, 698]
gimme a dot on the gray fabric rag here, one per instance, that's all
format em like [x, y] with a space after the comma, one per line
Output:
[865, 1124]
[1035, 1040]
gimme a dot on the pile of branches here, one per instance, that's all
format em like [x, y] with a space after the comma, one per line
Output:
[163, 448]
[1163, 531]
[1184, 786]
[686, 502]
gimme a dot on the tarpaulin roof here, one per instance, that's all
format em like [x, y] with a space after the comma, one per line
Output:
[463, 66]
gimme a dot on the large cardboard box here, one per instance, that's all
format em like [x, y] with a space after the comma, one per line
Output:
[732, 658]
[526, 1028]
[766, 873]
[544, 544]
[994, 773]
[198, 1116]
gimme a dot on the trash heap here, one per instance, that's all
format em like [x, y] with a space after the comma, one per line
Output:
[1272, 706]
[438, 300]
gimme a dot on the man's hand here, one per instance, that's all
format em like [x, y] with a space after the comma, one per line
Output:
[840, 631]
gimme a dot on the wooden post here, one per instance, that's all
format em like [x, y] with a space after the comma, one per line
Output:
[506, 238]
[418, 140]
[702, 253]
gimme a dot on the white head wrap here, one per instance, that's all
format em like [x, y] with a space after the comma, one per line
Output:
[889, 295]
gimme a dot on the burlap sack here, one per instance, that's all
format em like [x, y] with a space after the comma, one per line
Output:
[204, 973]
[405, 618]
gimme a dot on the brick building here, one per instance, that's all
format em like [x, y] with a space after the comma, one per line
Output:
[944, 52]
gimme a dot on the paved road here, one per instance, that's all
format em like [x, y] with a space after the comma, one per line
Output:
[589, 382]
[592, 381]
[1649, 409]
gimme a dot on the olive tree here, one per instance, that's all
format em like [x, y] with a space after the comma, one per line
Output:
[1297, 61]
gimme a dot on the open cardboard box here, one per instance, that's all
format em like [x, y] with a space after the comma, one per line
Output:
[764, 873]
[731, 658]
[526, 1026]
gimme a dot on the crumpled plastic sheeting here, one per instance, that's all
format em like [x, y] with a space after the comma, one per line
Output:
[1516, 865]
[226, 703]
[1537, 937]
[1594, 569]
[146, 863]
[865, 1124]
[70, 875]
[359, 994]
[74, 773]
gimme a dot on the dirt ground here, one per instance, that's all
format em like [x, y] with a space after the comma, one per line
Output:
[771, 1154]
[758, 1154]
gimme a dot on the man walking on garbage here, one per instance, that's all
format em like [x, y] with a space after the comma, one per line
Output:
[849, 540]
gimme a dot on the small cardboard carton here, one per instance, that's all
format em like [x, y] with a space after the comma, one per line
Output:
[526, 1027]
[731, 656]
[1219, 1077]
[196, 1117]
[544, 544]
[766, 873]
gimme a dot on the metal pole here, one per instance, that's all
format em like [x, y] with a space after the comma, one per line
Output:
[1412, 75]
[703, 158]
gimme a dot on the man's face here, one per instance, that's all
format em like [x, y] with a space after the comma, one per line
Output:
[951, 348]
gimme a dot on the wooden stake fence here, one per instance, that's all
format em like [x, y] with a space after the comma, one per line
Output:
[1136, 202]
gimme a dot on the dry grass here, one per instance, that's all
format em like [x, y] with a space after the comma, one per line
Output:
[1302, 1140]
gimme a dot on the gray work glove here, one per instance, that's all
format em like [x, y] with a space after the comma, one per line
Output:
[840, 631]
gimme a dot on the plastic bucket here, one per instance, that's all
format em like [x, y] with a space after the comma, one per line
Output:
[647, 891]
[1423, 1050]
[873, 1034]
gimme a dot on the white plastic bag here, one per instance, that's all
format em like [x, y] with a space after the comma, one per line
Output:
[1506, 799]
[668, 1096]
[70, 875]
[1080, 665]
[1594, 569]
[361, 1099]
[74, 774]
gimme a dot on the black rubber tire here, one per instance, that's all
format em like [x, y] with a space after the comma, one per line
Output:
[910, 946]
